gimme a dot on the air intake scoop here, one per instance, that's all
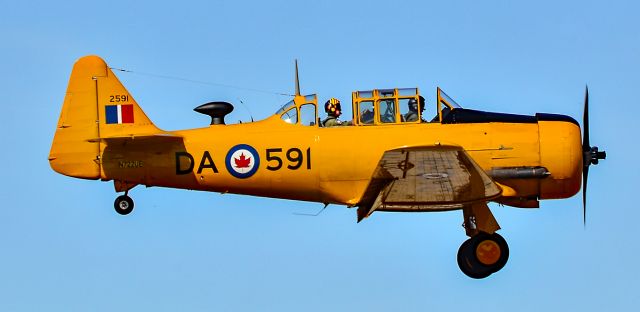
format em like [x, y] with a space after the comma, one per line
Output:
[217, 111]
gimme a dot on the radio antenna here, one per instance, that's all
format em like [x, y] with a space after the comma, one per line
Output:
[312, 214]
[245, 107]
[297, 80]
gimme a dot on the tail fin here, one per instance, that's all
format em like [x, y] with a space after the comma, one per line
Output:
[96, 106]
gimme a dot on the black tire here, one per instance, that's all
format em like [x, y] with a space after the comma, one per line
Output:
[123, 205]
[463, 262]
[467, 261]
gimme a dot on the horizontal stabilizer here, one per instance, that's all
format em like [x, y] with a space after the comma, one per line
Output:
[166, 137]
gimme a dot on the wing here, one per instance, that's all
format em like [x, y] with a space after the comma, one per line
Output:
[426, 178]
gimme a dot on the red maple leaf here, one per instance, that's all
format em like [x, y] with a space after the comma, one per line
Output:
[242, 162]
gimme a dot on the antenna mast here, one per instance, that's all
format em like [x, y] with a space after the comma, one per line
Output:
[297, 80]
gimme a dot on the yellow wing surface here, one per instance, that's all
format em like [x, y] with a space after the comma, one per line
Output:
[428, 178]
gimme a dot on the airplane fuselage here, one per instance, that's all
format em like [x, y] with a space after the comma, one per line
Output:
[289, 167]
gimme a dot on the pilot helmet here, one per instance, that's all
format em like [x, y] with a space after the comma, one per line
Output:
[332, 107]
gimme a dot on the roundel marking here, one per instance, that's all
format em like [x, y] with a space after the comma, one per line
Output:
[242, 161]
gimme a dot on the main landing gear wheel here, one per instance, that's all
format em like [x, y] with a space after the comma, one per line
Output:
[123, 205]
[483, 255]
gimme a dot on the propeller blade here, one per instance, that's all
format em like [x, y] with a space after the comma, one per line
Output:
[586, 148]
[585, 121]
[585, 177]
[590, 155]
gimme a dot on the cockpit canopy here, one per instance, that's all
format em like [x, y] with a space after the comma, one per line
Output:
[393, 106]
[383, 106]
[372, 107]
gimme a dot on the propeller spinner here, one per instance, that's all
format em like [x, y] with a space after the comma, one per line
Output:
[591, 155]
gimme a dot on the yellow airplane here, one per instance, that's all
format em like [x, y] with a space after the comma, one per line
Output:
[460, 160]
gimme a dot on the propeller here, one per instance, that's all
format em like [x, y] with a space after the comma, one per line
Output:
[591, 154]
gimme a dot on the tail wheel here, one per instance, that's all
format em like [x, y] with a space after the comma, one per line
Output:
[482, 255]
[123, 204]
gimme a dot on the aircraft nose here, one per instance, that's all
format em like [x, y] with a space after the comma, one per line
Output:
[561, 153]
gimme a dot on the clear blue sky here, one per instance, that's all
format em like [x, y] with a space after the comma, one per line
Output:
[65, 249]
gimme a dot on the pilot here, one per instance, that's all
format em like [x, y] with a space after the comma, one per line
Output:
[366, 117]
[414, 106]
[333, 109]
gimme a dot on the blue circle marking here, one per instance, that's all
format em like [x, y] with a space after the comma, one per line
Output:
[242, 161]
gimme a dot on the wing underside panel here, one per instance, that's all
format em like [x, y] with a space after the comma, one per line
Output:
[427, 179]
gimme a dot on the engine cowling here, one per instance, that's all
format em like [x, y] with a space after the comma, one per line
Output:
[561, 154]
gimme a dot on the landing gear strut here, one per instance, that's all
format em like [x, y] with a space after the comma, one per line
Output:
[123, 204]
[485, 252]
